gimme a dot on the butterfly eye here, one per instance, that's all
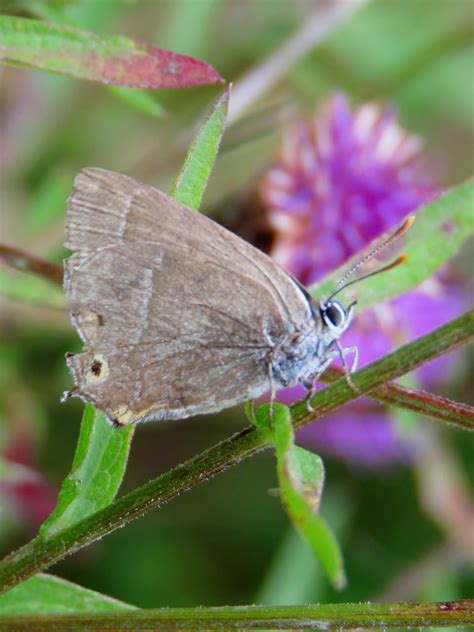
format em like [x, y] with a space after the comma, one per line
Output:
[334, 314]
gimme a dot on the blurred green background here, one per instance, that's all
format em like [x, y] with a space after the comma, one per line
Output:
[228, 541]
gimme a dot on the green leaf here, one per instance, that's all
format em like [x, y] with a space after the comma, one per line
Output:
[301, 478]
[96, 474]
[139, 99]
[190, 184]
[439, 231]
[118, 61]
[48, 595]
[262, 417]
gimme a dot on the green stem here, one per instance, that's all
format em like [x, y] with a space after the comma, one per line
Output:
[455, 413]
[308, 617]
[42, 552]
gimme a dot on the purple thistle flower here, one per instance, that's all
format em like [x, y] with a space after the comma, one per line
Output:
[341, 179]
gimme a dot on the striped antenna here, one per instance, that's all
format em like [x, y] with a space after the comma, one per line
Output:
[401, 230]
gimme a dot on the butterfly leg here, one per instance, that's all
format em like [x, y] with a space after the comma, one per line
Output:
[310, 383]
[272, 390]
[272, 395]
[342, 352]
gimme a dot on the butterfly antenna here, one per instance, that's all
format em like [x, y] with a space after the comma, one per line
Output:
[401, 230]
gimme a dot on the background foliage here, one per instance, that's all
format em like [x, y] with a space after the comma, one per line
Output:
[229, 540]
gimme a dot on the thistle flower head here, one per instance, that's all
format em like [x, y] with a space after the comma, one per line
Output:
[341, 179]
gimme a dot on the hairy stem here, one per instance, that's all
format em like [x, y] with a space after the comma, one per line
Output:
[362, 616]
[42, 552]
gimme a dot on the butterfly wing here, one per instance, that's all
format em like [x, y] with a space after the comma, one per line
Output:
[178, 315]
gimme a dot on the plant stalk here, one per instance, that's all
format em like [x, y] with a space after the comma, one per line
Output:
[422, 402]
[340, 616]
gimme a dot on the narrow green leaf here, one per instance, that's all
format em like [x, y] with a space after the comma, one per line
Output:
[48, 595]
[439, 231]
[96, 474]
[301, 478]
[118, 61]
[190, 184]
[139, 99]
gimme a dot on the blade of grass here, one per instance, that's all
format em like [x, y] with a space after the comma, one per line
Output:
[41, 553]
[116, 60]
[190, 184]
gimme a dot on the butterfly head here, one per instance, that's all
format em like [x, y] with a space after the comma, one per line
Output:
[335, 317]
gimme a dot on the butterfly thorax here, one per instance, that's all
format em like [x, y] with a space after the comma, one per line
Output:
[301, 355]
[306, 353]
